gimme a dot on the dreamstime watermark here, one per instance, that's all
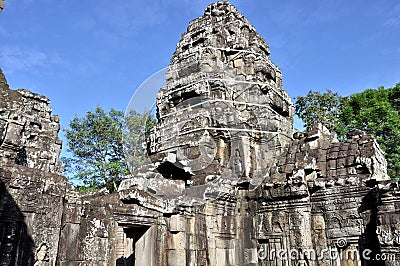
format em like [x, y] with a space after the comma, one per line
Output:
[340, 252]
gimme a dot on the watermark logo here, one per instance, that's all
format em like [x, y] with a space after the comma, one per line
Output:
[341, 243]
[340, 251]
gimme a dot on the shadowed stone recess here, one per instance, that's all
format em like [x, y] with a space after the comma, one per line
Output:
[228, 180]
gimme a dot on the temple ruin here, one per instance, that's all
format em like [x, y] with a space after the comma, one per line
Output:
[228, 181]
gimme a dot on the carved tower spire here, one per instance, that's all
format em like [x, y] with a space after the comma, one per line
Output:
[223, 117]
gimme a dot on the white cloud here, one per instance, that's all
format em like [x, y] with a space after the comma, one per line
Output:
[391, 16]
[392, 21]
[25, 59]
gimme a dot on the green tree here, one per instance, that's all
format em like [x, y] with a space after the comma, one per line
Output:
[394, 97]
[136, 131]
[96, 142]
[324, 108]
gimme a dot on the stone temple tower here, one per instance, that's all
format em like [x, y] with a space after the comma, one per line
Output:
[223, 115]
[226, 171]
[227, 182]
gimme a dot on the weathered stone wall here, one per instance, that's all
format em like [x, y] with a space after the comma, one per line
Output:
[31, 189]
[387, 211]
[228, 180]
[31, 207]
[28, 131]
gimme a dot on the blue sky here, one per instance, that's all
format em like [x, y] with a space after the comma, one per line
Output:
[82, 54]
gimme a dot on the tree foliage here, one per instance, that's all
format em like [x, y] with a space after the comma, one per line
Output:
[317, 107]
[96, 142]
[376, 112]
[136, 131]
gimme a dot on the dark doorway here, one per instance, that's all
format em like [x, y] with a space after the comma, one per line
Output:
[132, 235]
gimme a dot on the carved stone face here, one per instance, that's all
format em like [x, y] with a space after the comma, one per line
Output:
[318, 224]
